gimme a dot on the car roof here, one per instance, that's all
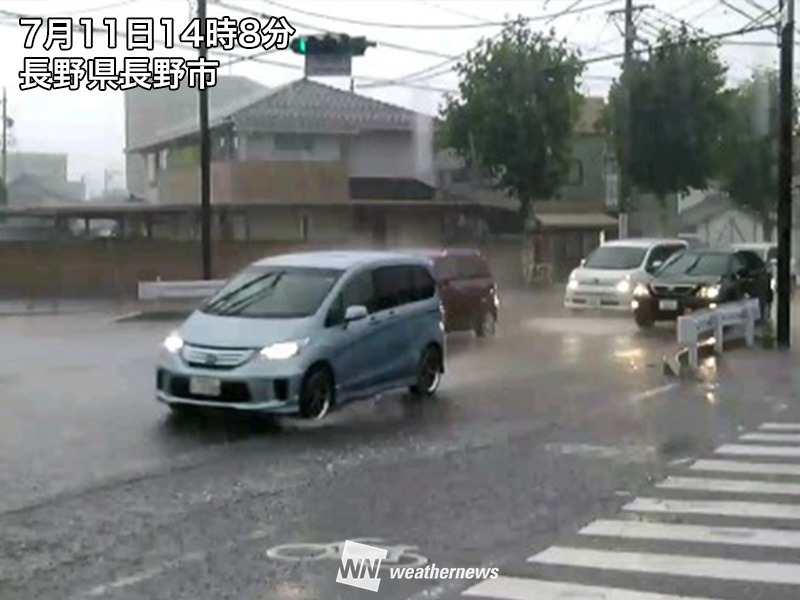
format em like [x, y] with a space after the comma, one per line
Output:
[754, 246]
[442, 252]
[644, 242]
[336, 259]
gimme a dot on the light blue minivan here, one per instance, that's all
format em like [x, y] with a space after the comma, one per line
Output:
[302, 334]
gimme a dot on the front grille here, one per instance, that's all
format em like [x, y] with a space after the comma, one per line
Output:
[673, 290]
[216, 358]
[232, 391]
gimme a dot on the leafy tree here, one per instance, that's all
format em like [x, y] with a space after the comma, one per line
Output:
[517, 104]
[677, 112]
[748, 158]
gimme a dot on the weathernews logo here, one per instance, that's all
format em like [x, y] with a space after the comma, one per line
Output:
[361, 566]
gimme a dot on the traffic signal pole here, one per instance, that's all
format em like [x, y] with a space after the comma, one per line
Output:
[205, 155]
[785, 168]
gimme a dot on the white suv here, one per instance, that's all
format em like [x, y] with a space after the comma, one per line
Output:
[607, 277]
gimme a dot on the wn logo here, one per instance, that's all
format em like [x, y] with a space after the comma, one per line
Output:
[361, 564]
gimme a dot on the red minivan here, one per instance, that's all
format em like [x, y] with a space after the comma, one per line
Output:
[467, 289]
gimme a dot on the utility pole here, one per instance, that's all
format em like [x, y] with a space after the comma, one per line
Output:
[626, 191]
[4, 173]
[205, 154]
[785, 160]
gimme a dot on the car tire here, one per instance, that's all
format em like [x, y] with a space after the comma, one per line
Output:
[317, 393]
[429, 373]
[486, 325]
[643, 320]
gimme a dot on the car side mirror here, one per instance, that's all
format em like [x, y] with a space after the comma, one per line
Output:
[355, 313]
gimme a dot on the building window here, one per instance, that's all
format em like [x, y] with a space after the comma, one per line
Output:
[162, 159]
[576, 173]
[152, 163]
[294, 142]
[305, 227]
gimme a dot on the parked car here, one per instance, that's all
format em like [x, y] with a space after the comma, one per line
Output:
[607, 277]
[768, 252]
[697, 279]
[302, 334]
[467, 288]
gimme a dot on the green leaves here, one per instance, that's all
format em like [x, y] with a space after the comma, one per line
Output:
[516, 109]
[748, 156]
[677, 114]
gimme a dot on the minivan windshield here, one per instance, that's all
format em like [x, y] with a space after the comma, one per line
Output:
[695, 264]
[273, 292]
[615, 257]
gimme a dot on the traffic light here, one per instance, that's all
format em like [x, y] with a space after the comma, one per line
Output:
[330, 45]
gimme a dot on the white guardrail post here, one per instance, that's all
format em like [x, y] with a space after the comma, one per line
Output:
[727, 322]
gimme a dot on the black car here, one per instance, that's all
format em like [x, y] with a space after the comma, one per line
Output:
[698, 278]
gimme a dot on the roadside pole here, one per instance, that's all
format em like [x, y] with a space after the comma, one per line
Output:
[205, 154]
[786, 142]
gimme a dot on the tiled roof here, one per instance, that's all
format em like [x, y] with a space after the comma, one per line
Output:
[300, 106]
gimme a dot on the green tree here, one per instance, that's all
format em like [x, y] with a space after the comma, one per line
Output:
[514, 115]
[748, 157]
[678, 109]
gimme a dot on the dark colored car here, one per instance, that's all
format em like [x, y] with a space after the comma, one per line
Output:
[467, 289]
[697, 279]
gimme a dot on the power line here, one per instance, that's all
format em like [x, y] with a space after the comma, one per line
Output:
[309, 13]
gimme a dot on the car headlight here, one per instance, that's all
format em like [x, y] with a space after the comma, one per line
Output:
[624, 286]
[710, 292]
[641, 291]
[173, 343]
[572, 285]
[283, 350]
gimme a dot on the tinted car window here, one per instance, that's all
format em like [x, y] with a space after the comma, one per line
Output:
[772, 254]
[394, 286]
[751, 261]
[273, 292]
[424, 284]
[661, 254]
[359, 291]
[696, 264]
[446, 267]
[616, 257]
[473, 267]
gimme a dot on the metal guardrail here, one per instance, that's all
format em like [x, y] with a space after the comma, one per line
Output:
[178, 290]
[726, 322]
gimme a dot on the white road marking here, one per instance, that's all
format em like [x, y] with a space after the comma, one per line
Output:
[672, 564]
[737, 536]
[518, 588]
[663, 389]
[780, 426]
[739, 486]
[735, 466]
[753, 450]
[788, 438]
[725, 508]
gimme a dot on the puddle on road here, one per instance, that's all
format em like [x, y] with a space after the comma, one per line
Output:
[637, 454]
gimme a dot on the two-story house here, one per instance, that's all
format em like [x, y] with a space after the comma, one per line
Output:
[304, 162]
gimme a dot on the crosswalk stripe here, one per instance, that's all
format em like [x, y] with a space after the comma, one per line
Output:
[753, 450]
[518, 588]
[671, 564]
[771, 437]
[740, 486]
[724, 508]
[780, 426]
[735, 466]
[737, 536]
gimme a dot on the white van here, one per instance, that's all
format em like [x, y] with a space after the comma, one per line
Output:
[607, 277]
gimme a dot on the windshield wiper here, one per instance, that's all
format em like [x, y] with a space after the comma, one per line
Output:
[235, 305]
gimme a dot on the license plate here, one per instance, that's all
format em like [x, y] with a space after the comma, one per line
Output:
[205, 386]
[668, 305]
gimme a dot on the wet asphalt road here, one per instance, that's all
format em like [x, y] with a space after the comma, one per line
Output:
[535, 433]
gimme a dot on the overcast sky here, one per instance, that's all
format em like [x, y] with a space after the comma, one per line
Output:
[89, 125]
